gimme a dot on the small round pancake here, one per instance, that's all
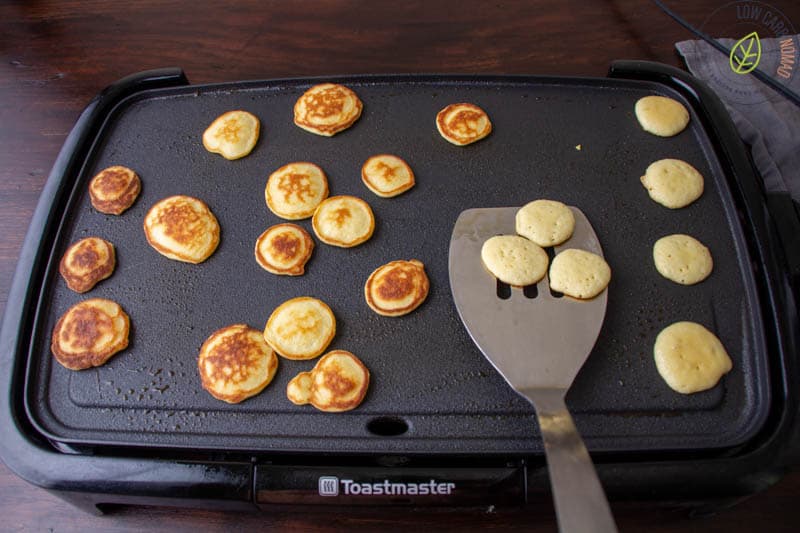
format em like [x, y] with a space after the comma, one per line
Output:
[580, 274]
[327, 109]
[232, 135]
[300, 328]
[514, 260]
[397, 288]
[89, 333]
[387, 175]
[284, 249]
[682, 259]
[182, 228]
[236, 363]
[545, 222]
[690, 358]
[338, 382]
[463, 123]
[343, 221]
[673, 183]
[661, 116]
[295, 190]
[114, 189]
[87, 262]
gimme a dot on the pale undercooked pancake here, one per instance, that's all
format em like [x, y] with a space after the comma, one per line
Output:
[545, 222]
[338, 382]
[397, 288]
[87, 262]
[661, 116]
[463, 123]
[673, 183]
[343, 221]
[232, 135]
[327, 109]
[579, 274]
[682, 259]
[295, 190]
[89, 333]
[284, 249]
[514, 260]
[114, 189]
[387, 175]
[236, 363]
[300, 328]
[690, 358]
[182, 228]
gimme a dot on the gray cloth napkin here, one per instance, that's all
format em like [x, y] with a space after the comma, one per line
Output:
[766, 120]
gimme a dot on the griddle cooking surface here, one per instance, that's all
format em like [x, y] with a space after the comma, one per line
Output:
[425, 370]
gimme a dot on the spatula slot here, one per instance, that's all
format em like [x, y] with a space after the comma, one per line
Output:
[503, 290]
[530, 291]
[551, 253]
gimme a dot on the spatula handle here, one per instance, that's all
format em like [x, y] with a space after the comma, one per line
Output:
[581, 504]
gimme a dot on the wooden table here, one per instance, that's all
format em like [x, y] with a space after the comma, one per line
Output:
[56, 55]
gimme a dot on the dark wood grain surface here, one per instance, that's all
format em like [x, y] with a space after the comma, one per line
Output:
[56, 55]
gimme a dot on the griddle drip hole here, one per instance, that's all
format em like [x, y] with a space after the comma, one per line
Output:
[387, 426]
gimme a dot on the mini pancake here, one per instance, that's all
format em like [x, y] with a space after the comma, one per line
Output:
[235, 363]
[232, 135]
[295, 190]
[284, 249]
[182, 228]
[463, 123]
[397, 288]
[87, 262]
[114, 189]
[673, 183]
[89, 333]
[682, 259]
[327, 109]
[580, 274]
[545, 222]
[300, 328]
[514, 260]
[343, 221]
[661, 116]
[387, 175]
[338, 382]
[690, 358]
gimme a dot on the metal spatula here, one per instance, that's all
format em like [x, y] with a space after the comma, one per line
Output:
[538, 341]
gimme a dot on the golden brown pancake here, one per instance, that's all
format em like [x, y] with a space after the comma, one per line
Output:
[300, 328]
[580, 274]
[295, 190]
[114, 189]
[343, 221]
[182, 228]
[387, 175]
[545, 222]
[236, 363]
[89, 333]
[463, 123]
[690, 358]
[338, 382]
[661, 116]
[514, 260]
[397, 288]
[327, 109]
[87, 262]
[284, 249]
[673, 183]
[232, 135]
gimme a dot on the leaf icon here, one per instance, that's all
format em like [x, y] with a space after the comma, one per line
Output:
[743, 58]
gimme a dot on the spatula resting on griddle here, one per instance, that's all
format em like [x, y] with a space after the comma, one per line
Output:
[538, 341]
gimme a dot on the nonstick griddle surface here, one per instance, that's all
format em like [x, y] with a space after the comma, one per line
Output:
[576, 141]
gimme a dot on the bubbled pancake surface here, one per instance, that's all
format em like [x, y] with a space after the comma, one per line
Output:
[463, 123]
[300, 328]
[579, 273]
[343, 221]
[89, 333]
[690, 358]
[114, 189]
[235, 363]
[545, 222]
[514, 260]
[233, 135]
[284, 249]
[661, 116]
[397, 288]
[387, 175]
[673, 183]
[338, 382]
[295, 190]
[87, 262]
[182, 228]
[682, 259]
[327, 109]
